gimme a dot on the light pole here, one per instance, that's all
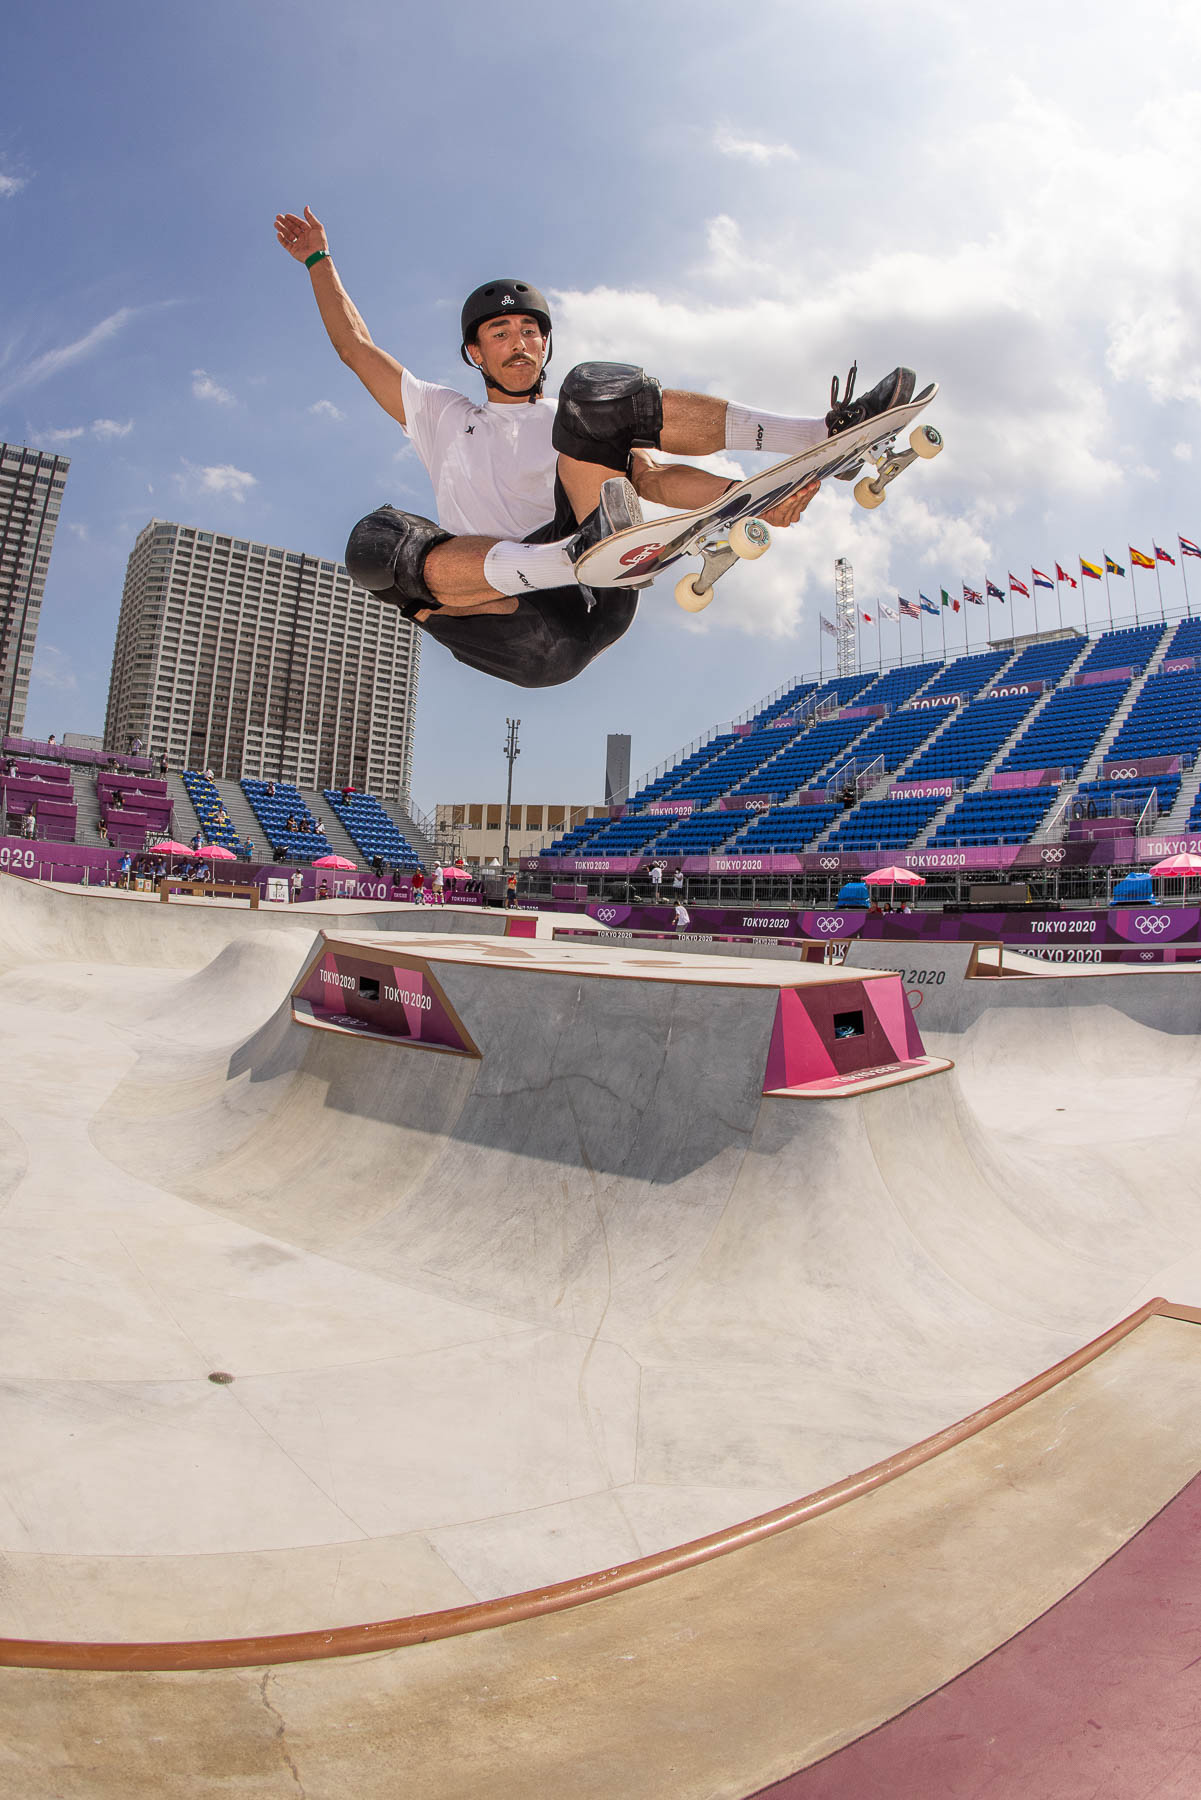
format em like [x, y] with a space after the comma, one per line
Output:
[511, 753]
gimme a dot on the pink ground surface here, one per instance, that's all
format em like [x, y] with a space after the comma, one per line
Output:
[1099, 1699]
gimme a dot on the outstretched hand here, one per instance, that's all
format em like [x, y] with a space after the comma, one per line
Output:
[300, 237]
[790, 510]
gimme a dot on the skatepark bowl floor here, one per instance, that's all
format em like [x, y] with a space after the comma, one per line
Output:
[561, 1408]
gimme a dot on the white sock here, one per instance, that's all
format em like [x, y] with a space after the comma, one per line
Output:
[749, 430]
[512, 568]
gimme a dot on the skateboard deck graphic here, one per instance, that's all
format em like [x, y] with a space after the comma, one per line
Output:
[729, 530]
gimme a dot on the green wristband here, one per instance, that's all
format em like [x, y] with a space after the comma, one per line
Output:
[314, 258]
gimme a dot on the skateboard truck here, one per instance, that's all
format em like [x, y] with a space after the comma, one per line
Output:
[747, 539]
[924, 442]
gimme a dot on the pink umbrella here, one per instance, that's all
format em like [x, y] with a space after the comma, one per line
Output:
[168, 847]
[1184, 864]
[334, 862]
[451, 873]
[218, 852]
[895, 878]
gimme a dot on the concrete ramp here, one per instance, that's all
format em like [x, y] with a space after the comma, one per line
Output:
[301, 1328]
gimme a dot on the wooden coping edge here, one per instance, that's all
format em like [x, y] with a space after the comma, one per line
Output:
[421, 1628]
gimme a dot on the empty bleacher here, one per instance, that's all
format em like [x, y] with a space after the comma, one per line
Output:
[370, 828]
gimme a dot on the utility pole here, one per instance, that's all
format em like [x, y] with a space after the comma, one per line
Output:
[511, 753]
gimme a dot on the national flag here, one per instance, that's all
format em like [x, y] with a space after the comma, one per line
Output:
[928, 605]
[1062, 575]
[890, 613]
[1112, 567]
[1187, 546]
[1162, 555]
[992, 590]
[944, 596]
[1140, 559]
[971, 594]
[867, 619]
[1041, 580]
[909, 609]
[1018, 587]
[828, 625]
[1090, 570]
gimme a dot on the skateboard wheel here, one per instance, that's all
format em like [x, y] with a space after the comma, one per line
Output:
[866, 494]
[749, 538]
[690, 598]
[925, 441]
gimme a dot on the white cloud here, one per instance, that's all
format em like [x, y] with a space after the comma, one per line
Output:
[1183, 452]
[216, 478]
[325, 409]
[80, 531]
[52, 669]
[111, 428]
[750, 149]
[64, 436]
[53, 362]
[205, 388]
[10, 185]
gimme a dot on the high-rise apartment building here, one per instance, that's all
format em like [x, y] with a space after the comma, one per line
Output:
[255, 660]
[31, 492]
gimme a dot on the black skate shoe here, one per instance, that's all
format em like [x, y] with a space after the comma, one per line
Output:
[617, 508]
[895, 390]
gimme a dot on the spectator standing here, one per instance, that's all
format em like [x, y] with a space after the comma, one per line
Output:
[677, 883]
[297, 884]
[323, 891]
[29, 822]
[125, 865]
[418, 887]
[656, 875]
[511, 892]
[681, 918]
[438, 886]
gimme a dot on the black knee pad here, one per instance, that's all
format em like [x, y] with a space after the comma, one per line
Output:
[604, 410]
[386, 552]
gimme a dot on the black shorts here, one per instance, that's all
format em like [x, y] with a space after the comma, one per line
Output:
[555, 632]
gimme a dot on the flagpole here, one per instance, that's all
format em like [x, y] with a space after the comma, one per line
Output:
[1108, 595]
[1133, 583]
[943, 622]
[963, 603]
[988, 608]
[1059, 595]
[1159, 584]
[1034, 591]
[921, 626]
[1184, 576]
[879, 651]
[900, 639]
[1084, 594]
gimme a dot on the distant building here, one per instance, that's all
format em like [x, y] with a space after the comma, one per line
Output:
[477, 828]
[31, 493]
[82, 740]
[617, 768]
[251, 659]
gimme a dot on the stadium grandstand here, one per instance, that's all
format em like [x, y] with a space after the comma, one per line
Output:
[1057, 739]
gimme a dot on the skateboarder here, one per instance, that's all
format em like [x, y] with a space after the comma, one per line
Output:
[525, 487]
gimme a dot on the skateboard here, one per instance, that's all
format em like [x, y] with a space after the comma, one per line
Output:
[729, 530]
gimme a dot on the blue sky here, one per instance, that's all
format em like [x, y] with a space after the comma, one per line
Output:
[1003, 202]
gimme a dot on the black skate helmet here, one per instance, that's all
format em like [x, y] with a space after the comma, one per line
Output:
[492, 301]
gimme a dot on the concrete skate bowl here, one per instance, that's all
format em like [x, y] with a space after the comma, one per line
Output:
[524, 1324]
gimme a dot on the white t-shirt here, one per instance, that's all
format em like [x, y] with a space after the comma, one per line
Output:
[493, 467]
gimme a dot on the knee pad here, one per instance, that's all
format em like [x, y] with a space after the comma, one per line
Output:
[386, 552]
[604, 410]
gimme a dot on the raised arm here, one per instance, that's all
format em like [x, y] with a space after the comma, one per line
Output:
[379, 373]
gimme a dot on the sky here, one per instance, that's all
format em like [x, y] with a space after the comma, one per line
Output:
[1005, 199]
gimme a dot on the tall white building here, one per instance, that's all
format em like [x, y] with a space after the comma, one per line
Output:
[250, 659]
[31, 492]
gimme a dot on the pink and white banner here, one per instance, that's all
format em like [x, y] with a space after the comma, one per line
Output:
[1007, 689]
[917, 790]
[667, 809]
[863, 712]
[1131, 767]
[756, 803]
[927, 702]
[1091, 677]
[1026, 778]
[1177, 665]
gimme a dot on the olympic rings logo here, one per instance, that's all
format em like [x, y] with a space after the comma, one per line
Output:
[606, 914]
[1055, 854]
[1121, 775]
[828, 925]
[1153, 924]
[828, 862]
